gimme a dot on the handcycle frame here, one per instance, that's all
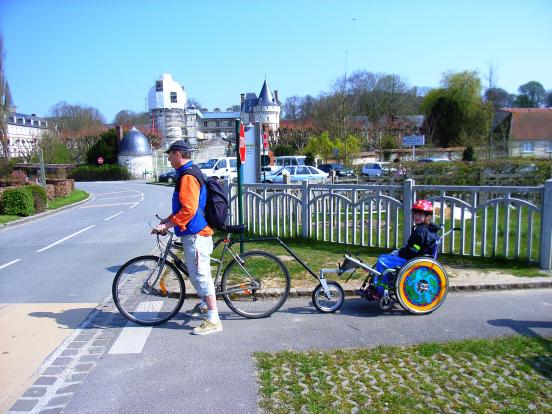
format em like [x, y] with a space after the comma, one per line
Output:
[386, 301]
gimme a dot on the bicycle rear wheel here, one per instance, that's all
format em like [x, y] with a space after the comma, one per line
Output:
[257, 285]
[144, 298]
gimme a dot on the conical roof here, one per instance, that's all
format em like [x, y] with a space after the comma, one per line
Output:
[265, 96]
[134, 144]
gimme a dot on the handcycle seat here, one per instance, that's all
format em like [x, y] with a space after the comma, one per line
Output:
[236, 229]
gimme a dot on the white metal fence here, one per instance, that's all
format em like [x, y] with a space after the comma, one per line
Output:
[512, 222]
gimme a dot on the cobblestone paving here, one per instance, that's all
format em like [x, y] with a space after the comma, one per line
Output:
[405, 380]
[67, 368]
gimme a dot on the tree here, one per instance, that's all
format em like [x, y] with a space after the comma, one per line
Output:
[70, 119]
[455, 114]
[105, 147]
[498, 98]
[233, 108]
[5, 103]
[531, 95]
[54, 150]
[194, 102]
[130, 118]
[78, 126]
[291, 108]
[548, 99]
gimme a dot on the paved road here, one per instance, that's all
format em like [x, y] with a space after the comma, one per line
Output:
[176, 372]
[64, 264]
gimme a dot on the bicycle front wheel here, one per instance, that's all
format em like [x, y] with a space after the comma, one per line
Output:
[256, 285]
[146, 296]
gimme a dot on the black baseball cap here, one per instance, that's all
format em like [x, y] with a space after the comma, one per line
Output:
[179, 145]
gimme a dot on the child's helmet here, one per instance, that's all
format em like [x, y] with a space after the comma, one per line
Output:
[423, 205]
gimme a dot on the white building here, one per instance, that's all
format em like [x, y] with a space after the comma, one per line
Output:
[135, 153]
[209, 132]
[24, 132]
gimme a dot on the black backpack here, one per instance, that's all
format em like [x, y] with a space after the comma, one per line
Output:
[216, 206]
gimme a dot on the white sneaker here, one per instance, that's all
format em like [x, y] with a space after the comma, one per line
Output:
[208, 327]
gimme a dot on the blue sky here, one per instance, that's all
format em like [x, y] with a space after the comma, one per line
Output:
[107, 54]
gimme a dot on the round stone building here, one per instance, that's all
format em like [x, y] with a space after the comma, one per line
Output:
[134, 152]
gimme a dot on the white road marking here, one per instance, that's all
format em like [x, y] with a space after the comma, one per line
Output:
[65, 238]
[107, 205]
[133, 338]
[10, 263]
[115, 198]
[117, 192]
[114, 215]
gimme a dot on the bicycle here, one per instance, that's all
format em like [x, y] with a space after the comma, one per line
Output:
[149, 290]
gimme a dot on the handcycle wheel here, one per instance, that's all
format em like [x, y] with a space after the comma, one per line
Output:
[138, 300]
[327, 304]
[257, 285]
[421, 285]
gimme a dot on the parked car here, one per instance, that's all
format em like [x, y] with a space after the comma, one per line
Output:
[299, 173]
[339, 169]
[220, 167]
[375, 169]
[167, 177]
[433, 159]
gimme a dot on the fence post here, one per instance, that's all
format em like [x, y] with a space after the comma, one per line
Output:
[408, 193]
[228, 191]
[545, 256]
[305, 209]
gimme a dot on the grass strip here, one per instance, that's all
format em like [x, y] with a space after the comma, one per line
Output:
[502, 375]
[74, 197]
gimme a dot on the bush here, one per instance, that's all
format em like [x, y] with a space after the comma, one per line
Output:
[105, 147]
[40, 198]
[18, 201]
[468, 154]
[100, 173]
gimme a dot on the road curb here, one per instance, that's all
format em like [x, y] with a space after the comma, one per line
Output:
[350, 292]
[38, 216]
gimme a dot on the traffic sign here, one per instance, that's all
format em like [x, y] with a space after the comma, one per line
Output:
[410, 141]
[242, 144]
[100, 160]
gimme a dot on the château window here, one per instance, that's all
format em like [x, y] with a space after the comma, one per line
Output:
[173, 97]
[159, 86]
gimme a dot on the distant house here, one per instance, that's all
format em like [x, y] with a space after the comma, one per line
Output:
[520, 132]
[24, 132]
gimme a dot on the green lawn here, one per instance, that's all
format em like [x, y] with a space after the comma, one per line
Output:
[318, 254]
[504, 375]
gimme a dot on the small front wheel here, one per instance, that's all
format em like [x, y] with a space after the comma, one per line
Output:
[256, 285]
[144, 294]
[328, 304]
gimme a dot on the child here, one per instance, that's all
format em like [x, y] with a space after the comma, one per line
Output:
[421, 242]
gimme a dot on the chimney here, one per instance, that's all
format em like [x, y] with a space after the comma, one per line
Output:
[276, 97]
[242, 97]
[119, 131]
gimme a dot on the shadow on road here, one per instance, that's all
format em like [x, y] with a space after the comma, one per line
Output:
[540, 363]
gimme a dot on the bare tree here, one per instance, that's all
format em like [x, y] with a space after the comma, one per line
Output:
[5, 102]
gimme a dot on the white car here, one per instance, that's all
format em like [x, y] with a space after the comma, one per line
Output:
[375, 169]
[297, 174]
[220, 167]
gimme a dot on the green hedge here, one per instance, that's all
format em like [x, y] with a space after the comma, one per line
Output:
[18, 201]
[100, 173]
[522, 172]
[40, 198]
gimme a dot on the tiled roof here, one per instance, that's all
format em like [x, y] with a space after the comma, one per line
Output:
[221, 115]
[530, 123]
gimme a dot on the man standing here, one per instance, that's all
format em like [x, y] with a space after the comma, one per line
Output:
[188, 220]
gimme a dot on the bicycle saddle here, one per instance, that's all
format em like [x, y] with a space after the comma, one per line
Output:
[237, 229]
